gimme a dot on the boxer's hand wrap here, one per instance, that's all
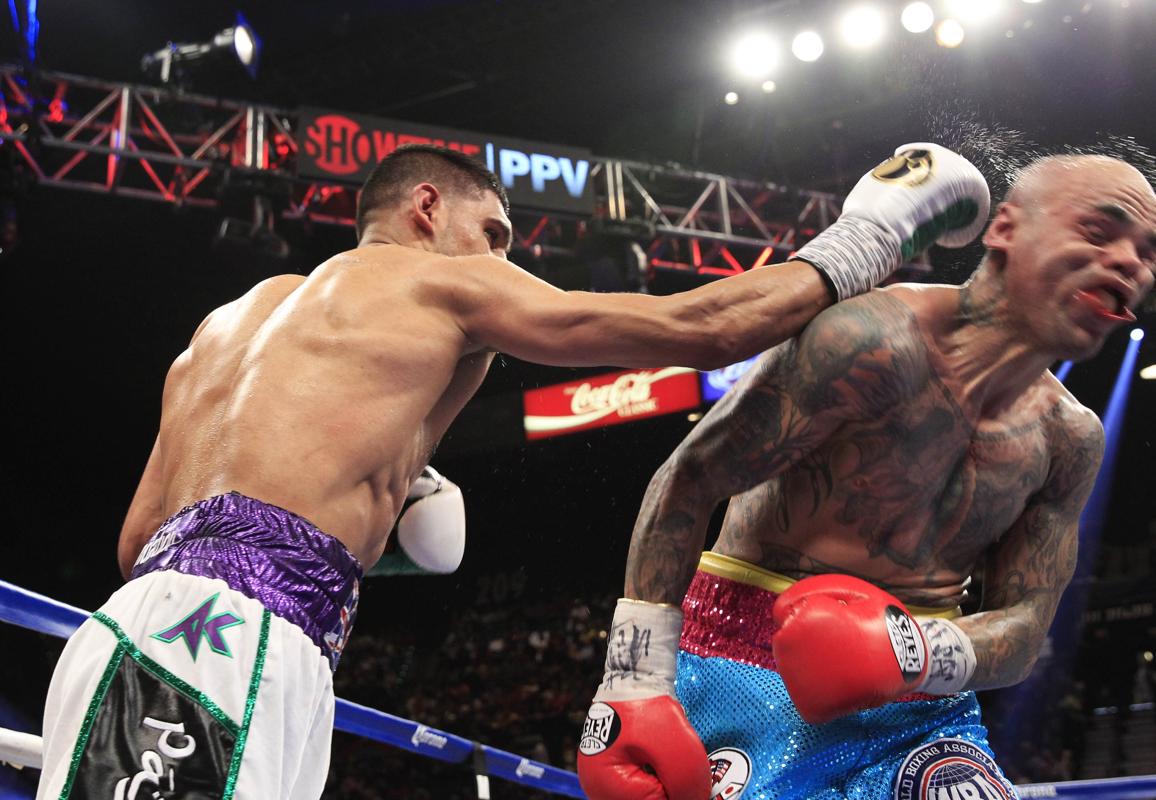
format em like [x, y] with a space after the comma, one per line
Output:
[951, 657]
[430, 535]
[924, 194]
[636, 741]
[844, 645]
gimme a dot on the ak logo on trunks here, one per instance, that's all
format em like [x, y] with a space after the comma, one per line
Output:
[200, 624]
[949, 769]
[906, 641]
[601, 728]
[730, 771]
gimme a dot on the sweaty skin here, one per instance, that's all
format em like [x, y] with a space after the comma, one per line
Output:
[914, 433]
[326, 395]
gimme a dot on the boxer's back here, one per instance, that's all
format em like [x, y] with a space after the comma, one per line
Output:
[323, 394]
[913, 495]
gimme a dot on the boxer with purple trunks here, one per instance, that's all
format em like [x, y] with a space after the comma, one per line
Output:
[904, 439]
[295, 434]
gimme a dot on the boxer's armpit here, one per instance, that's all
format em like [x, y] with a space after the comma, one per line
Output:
[1030, 567]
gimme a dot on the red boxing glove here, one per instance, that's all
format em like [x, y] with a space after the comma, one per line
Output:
[844, 645]
[642, 750]
[637, 743]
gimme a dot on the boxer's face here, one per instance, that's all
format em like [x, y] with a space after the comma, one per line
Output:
[1084, 257]
[476, 224]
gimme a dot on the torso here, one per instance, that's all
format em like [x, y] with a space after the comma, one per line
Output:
[913, 497]
[323, 395]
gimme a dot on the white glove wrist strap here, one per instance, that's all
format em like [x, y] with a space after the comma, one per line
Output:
[950, 656]
[854, 254]
[642, 651]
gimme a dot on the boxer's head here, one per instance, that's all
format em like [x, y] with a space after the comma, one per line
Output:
[1073, 250]
[437, 199]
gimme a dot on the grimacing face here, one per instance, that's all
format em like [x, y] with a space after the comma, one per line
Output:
[1084, 257]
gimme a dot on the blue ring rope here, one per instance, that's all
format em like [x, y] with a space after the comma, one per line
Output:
[43, 614]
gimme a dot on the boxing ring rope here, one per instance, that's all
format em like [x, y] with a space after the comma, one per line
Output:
[44, 615]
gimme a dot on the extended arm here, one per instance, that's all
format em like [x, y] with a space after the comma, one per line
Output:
[503, 308]
[1031, 565]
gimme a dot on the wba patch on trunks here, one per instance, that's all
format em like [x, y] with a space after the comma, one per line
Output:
[949, 769]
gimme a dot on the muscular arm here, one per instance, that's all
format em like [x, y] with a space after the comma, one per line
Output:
[501, 307]
[1032, 564]
[844, 366]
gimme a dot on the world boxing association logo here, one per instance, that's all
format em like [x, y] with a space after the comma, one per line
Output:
[950, 769]
[909, 168]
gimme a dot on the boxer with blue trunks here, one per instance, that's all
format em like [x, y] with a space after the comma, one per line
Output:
[322, 398]
[905, 439]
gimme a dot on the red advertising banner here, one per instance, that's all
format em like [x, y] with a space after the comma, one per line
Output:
[613, 399]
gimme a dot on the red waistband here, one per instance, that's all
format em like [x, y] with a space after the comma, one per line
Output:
[725, 618]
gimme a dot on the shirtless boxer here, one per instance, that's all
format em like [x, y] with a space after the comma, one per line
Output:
[299, 419]
[903, 439]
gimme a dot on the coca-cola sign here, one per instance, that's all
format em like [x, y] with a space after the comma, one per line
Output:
[608, 400]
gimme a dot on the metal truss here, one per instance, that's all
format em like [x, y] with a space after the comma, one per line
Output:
[86, 134]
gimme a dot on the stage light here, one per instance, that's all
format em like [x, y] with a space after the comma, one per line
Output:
[755, 55]
[1137, 334]
[1148, 373]
[807, 46]
[975, 11]
[949, 33]
[238, 41]
[1033, 2]
[862, 27]
[730, 98]
[769, 86]
[917, 17]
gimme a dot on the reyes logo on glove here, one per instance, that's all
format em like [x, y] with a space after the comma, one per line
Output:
[907, 643]
[910, 168]
[600, 729]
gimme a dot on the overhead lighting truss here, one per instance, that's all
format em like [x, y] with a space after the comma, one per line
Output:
[86, 134]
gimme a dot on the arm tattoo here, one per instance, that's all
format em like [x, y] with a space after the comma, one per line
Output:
[847, 364]
[1031, 566]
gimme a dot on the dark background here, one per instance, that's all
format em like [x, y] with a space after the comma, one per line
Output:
[102, 292]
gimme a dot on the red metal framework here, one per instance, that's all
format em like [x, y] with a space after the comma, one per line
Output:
[86, 134]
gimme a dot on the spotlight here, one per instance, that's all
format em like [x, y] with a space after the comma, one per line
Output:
[730, 98]
[755, 55]
[949, 33]
[975, 11]
[862, 27]
[1148, 373]
[769, 86]
[1137, 334]
[238, 42]
[917, 17]
[807, 46]
[1033, 2]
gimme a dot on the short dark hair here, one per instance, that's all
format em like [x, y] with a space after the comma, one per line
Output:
[411, 164]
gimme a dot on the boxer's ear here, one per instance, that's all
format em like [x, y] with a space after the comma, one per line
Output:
[1003, 228]
[425, 203]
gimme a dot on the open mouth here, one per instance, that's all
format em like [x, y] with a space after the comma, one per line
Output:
[1107, 303]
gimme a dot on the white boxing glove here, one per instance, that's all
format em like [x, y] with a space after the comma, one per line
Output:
[430, 535]
[924, 194]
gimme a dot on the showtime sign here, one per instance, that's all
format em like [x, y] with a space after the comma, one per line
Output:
[346, 147]
[608, 400]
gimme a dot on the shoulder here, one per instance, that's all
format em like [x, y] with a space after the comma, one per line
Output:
[869, 344]
[1075, 440]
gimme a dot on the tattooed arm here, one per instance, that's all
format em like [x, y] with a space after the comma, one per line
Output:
[853, 361]
[1030, 566]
